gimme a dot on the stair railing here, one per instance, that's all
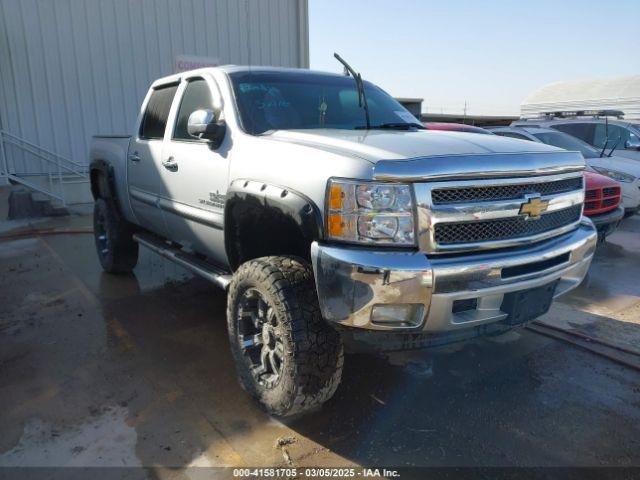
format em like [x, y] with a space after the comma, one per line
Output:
[63, 167]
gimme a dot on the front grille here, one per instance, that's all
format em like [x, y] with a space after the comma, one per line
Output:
[503, 229]
[502, 192]
[601, 200]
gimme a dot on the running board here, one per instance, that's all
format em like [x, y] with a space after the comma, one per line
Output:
[220, 277]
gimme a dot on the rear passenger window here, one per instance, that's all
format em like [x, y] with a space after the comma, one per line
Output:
[154, 121]
[197, 96]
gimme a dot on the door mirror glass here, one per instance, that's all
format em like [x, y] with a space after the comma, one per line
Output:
[206, 125]
[632, 144]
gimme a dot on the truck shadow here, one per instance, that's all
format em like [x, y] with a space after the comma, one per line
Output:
[465, 405]
[154, 347]
[520, 399]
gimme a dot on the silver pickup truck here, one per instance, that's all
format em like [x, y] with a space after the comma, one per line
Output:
[335, 221]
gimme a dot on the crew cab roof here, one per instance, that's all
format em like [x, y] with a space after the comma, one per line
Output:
[230, 69]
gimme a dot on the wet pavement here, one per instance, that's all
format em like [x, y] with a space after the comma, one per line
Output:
[134, 370]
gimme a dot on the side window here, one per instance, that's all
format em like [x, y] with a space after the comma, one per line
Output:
[616, 136]
[154, 121]
[512, 135]
[583, 131]
[197, 96]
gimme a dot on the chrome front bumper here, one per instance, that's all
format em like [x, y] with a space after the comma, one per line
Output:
[351, 281]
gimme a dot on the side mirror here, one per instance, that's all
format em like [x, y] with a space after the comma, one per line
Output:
[632, 144]
[206, 125]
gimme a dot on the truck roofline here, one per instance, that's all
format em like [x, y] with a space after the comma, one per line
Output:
[227, 69]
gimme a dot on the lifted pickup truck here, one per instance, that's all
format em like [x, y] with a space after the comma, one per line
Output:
[335, 221]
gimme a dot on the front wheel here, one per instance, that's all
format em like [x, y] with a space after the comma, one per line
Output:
[286, 355]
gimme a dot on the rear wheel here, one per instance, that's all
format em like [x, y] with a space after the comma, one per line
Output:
[286, 355]
[117, 251]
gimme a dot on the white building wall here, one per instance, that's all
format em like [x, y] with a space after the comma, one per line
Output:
[618, 93]
[72, 68]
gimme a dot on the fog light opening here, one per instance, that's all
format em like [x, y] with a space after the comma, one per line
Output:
[397, 315]
[465, 305]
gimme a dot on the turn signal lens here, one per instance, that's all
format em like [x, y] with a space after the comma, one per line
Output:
[336, 226]
[335, 196]
[367, 212]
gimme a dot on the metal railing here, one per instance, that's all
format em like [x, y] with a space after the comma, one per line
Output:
[61, 170]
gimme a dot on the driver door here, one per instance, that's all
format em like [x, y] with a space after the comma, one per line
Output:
[195, 175]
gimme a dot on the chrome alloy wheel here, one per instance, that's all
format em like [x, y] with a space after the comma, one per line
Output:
[260, 338]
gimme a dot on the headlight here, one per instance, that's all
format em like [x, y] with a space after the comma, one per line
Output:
[619, 176]
[372, 213]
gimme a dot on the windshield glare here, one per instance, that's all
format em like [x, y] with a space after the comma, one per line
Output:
[290, 100]
[562, 140]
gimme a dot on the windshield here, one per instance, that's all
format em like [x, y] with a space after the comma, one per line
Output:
[302, 100]
[563, 140]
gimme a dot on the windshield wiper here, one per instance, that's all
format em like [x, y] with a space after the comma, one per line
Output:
[393, 126]
[604, 147]
[362, 98]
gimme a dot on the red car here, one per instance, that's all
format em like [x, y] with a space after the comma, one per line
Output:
[602, 199]
[455, 127]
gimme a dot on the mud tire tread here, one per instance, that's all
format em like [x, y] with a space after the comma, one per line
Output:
[314, 351]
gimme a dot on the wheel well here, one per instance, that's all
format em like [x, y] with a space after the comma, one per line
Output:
[95, 184]
[100, 187]
[274, 222]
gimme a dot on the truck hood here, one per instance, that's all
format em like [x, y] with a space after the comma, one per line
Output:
[429, 154]
[375, 145]
[620, 164]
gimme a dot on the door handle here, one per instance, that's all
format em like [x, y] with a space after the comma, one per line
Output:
[170, 164]
[134, 157]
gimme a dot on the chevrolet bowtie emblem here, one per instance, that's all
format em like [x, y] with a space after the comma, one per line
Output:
[534, 208]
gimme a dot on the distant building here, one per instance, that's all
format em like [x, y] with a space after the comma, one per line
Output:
[70, 69]
[620, 93]
[477, 120]
[414, 105]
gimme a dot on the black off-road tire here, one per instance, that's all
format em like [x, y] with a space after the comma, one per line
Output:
[117, 251]
[312, 352]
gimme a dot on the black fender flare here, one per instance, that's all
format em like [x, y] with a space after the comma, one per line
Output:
[103, 183]
[256, 198]
[102, 180]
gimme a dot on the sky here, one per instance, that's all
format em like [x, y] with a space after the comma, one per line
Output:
[490, 53]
